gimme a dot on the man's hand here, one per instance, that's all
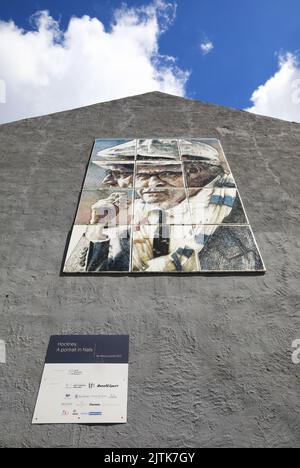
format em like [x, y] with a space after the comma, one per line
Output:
[115, 207]
[104, 211]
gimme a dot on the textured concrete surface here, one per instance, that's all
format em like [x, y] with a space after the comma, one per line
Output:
[210, 362]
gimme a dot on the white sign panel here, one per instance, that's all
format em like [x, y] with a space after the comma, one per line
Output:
[85, 380]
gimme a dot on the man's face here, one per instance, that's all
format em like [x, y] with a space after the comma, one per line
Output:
[160, 184]
[119, 176]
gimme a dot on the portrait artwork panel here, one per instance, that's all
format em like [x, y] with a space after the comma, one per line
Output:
[93, 249]
[218, 205]
[164, 248]
[150, 207]
[114, 150]
[159, 174]
[228, 248]
[104, 174]
[161, 206]
[164, 149]
[107, 207]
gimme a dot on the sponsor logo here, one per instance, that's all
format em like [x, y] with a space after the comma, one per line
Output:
[107, 386]
[87, 396]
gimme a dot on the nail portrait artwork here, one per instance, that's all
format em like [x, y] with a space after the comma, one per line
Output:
[161, 206]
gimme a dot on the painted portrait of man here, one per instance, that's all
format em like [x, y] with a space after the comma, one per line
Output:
[161, 206]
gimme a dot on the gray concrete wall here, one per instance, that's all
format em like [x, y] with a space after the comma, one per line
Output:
[210, 361]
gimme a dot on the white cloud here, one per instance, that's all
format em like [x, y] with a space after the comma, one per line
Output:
[48, 70]
[280, 95]
[206, 47]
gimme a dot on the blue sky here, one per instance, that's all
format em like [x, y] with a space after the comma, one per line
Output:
[248, 37]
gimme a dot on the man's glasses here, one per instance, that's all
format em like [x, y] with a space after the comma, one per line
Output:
[161, 175]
